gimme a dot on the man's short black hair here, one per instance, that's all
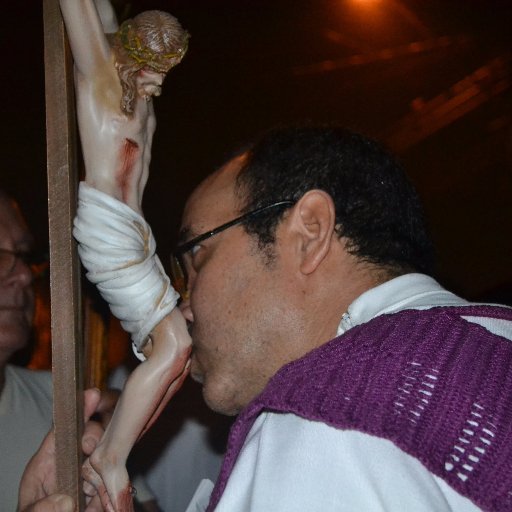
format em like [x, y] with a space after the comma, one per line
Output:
[377, 208]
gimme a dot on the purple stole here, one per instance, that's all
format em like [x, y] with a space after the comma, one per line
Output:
[439, 387]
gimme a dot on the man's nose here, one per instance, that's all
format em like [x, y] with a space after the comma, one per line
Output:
[21, 273]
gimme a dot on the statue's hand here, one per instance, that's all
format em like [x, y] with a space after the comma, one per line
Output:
[118, 250]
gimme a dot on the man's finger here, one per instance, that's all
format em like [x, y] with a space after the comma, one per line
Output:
[91, 437]
[92, 398]
[94, 505]
[54, 503]
[108, 400]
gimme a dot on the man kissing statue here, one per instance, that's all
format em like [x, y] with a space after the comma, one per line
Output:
[118, 69]
[358, 381]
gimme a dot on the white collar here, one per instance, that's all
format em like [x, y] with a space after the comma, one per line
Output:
[410, 291]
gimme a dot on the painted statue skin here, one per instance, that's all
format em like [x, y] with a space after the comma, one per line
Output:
[117, 71]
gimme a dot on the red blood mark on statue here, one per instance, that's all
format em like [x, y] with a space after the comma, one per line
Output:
[125, 501]
[128, 155]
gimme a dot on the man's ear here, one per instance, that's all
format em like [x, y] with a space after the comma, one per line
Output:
[313, 222]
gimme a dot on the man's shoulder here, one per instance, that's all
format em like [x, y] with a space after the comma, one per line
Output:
[32, 381]
[414, 319]
[341, 460]
[27, 373]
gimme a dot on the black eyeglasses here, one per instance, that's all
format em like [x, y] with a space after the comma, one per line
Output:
[36, 261]
[178, 271]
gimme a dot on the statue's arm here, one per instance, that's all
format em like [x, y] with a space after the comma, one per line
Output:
[107, 16]
[86, 36]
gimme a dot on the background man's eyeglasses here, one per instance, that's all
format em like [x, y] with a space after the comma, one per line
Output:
[36, 261]
[178, 271]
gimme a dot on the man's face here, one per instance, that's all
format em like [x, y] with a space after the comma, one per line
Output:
[149, 82]
[16, 293]
[237, 302]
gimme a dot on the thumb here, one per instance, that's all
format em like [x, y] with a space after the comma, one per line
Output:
[53, 503]
[92, 398]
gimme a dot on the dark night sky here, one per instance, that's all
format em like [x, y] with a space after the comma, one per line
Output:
[254, 64]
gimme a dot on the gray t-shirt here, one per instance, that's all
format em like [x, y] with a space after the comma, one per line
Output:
[25, 418]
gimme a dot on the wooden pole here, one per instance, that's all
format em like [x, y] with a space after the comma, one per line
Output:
[95, 340]
[66, 321]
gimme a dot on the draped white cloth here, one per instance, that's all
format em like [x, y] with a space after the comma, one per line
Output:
[117, 248]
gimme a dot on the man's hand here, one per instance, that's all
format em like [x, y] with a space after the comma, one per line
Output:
[105, 408]
[38, 486]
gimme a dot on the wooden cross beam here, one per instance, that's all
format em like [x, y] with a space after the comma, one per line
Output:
[66, 321]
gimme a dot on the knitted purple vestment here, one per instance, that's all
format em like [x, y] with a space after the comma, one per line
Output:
[437, 386]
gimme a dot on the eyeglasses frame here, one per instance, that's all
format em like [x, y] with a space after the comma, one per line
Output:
[187, 246]
[37, 261]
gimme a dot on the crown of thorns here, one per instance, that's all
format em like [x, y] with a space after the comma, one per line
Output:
[146, 56]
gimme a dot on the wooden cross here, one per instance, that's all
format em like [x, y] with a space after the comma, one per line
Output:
[66, 324]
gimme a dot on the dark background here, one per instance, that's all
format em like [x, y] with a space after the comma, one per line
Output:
[431, 78]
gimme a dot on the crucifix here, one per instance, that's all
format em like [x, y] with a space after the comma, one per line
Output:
[117, 71]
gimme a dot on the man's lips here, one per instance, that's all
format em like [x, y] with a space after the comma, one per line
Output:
[15, 306]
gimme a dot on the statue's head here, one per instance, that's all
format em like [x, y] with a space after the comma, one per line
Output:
[154, 42]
